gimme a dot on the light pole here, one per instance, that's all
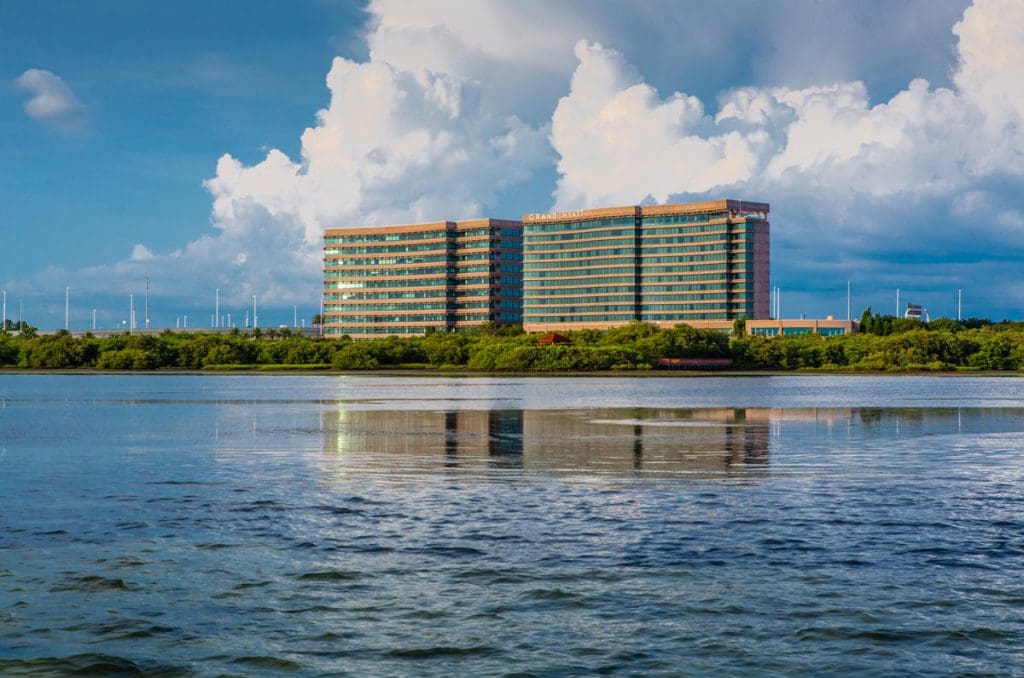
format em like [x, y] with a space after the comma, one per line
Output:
[848, 308]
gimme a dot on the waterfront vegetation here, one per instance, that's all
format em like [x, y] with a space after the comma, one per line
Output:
[885, 344]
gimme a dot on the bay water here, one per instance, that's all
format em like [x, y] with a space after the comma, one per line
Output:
[174, 524]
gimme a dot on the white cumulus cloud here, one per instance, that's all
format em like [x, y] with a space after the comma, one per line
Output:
[907, 185]
[392, 146]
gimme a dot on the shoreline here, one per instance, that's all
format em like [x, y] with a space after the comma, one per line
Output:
[433, 372]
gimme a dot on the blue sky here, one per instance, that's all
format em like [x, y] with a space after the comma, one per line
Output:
[206, 145]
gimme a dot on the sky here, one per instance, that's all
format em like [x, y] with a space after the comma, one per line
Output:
[206, 145]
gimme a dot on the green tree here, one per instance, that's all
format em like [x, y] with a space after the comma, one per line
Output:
[356, 355]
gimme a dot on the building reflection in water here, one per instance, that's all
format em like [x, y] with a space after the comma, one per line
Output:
[697, 443]
[599, 441]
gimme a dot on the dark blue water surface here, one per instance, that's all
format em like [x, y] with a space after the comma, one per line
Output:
[251, 525]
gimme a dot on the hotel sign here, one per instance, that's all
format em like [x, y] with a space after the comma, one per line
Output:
[553, 216]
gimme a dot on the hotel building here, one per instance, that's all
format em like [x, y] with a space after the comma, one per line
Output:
[665, 264]
[445, 275]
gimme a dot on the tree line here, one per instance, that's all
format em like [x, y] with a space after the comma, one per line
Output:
[887, 344]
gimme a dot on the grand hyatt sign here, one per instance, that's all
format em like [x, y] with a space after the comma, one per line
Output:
[553, 216]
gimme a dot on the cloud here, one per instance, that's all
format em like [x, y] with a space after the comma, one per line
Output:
[141, 253]
[890, 148]
[620, 143]
[52, 101]
[526, 48]
[931, 175]
[392, 146]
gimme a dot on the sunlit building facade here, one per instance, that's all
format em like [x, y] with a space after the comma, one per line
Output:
[409, 279]
[665, 264]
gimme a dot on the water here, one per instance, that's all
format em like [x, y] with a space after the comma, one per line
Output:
[252, 525]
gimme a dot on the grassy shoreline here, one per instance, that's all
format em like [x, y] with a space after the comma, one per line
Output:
[636, 348]
[303, 370]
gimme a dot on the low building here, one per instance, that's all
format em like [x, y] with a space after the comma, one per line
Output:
[777, 327]
[409, 279]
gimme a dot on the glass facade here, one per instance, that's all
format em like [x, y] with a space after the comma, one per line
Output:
[581, 270]
[711, 245]
[665, 264]
[408, 279]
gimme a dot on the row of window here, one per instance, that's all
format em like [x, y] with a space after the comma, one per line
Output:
[646, 231]
[438, 234]
[378, 327]
[579, 235]
[390, 249]
[371, 330]
[425, 273]
[688, 272]
[348, 306]
[683, 240]
[582, 254]
[682, 218]
[376, 260]
[554, 278]
[577, 225]
[683, 250]
[579, 291]
[386, 284]
[669, 317]
[723, 228]
[384, 237]
[544, 248]
[386, 261]
[570, 317]
[369, 296]
[423, 294]
[578, 302]
[612, 267]
[590, 308]
[580, 286]
[560, 306]
[421, 318]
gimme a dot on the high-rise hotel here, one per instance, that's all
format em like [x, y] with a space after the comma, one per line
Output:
[701, 263]
[446, 275]
[664, 264]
